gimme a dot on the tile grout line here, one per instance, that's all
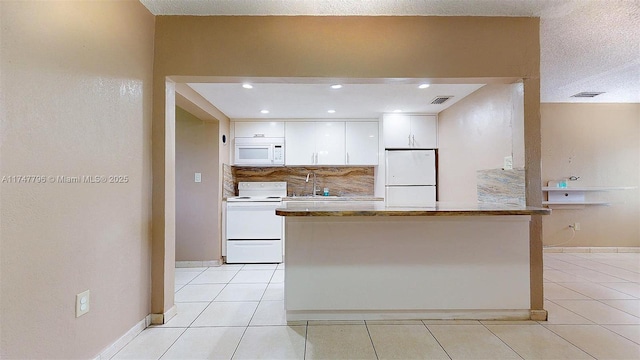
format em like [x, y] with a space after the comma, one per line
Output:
[586, 278]
[633, 296]
[306, 335]
[502, 341]
[366, 326]
[436, 339]
[173, 343]
[569, 310]
[598, 271]
[636, 341]
[257, 306]
[245, 327]
[567, 340]
[596, 300]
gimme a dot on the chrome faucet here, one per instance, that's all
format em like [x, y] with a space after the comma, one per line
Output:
[315, 189]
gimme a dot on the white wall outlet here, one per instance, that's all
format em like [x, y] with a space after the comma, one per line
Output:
[82, 303]
[508, 162]
[198, 177]
[576, 226]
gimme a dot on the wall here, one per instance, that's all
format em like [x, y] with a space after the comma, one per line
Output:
[76, 87]
[238, 47]
[198, 106]
[197, 231]
[475, 134]
[600, 143]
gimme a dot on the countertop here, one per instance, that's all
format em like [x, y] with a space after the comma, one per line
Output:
[378, 208]
[332, 198]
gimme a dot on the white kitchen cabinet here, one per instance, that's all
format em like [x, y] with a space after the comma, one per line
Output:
[315, 143]
[402, 131]
[330, 146]
[299, 143]
[361, 143]
[259, 129]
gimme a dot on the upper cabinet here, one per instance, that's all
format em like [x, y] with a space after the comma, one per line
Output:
[361, 143]
[315, 143]
[410, 131]
[259, 129]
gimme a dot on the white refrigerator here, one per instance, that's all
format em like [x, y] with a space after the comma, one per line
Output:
[410, 178]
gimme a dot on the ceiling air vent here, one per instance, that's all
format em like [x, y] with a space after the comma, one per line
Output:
[440, 99]
[587, 94]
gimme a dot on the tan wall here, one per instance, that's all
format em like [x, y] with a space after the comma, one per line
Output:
[76, 87]
[476, 133]
[600, 143]
[197, 228]
[335, 47]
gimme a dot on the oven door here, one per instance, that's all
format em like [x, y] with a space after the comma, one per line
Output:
[253, 221]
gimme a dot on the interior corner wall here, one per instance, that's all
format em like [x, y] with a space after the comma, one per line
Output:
[197, 226]
[76, 83]
[477, 133]
[600, 143]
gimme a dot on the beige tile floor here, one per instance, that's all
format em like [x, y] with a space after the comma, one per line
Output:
[237, 312]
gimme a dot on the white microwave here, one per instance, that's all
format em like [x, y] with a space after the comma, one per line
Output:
[259, 151]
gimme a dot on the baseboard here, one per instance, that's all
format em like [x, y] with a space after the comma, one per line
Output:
[159, 319]
[204, 263]
[595, 249]
[347, 315]
[539, 315]
[117, 345]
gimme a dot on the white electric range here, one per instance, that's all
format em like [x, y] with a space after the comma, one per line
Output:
[254, 231]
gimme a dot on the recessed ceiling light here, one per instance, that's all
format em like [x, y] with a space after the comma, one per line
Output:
[423, 86]
[331, 111]
[336, 86]
[264, 111]
[247, 86]
[397, 110]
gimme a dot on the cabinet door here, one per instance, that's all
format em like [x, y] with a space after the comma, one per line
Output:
[259, 129]
[424, 131]
[299, 143]
[362, 143]
[396, 130]
[330, 148]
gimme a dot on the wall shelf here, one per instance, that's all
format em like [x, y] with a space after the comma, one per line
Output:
[575, 197]
[587, 188]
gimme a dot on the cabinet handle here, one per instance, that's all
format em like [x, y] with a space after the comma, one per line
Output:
[313, 158]
[316, 158]
[347, 158]
[414, 139]
[258, 135]
[409, 139]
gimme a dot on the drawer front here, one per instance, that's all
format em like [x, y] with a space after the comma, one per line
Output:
[254, 251]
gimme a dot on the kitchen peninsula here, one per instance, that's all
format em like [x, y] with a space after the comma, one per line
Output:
[364, 260]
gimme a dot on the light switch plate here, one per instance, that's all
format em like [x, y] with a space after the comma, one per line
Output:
[198, 177]
[82, 303]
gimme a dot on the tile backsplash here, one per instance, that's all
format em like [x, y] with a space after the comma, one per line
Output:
[342, 181]
[229, 186]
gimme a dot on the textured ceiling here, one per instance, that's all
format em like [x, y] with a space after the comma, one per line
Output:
[586, 45]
